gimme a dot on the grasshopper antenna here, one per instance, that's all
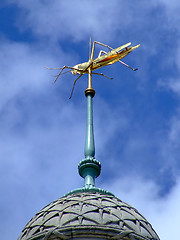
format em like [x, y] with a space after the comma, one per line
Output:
[90, 47]
[52, 68]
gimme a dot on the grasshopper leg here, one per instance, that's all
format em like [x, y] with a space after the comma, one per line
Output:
[101, 74]
[74, 85]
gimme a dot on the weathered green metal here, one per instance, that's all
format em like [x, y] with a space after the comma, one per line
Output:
[90, 190]
[89, 168]
[89, 149]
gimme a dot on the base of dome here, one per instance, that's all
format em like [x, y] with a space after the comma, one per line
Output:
[90, 190]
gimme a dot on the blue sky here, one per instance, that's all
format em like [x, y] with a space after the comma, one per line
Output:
[136, 115]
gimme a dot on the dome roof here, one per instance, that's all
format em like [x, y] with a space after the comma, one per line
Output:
[88, 214]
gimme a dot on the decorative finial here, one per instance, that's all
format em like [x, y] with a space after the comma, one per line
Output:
[90, 168]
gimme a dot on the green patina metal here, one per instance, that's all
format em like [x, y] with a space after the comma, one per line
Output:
[90, 190]
[89, 168]
[89, 150]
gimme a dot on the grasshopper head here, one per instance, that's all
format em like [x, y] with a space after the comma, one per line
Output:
[75, 69]
[80, 68]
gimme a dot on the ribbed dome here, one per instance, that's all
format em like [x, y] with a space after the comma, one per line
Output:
[87, 214]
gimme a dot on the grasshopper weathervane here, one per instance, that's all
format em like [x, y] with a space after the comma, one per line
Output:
[103, 59]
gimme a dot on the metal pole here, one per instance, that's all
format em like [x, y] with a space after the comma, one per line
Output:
[89, 149]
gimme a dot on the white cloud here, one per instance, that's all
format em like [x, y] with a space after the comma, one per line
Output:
[59, 20]
[62, 20]
[171, 4]
[171, 145]
[22, 69]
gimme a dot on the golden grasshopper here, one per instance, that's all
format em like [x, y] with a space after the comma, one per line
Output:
[114, 55]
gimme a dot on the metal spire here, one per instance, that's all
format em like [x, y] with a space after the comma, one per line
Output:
[89, 149]
[89, 168]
